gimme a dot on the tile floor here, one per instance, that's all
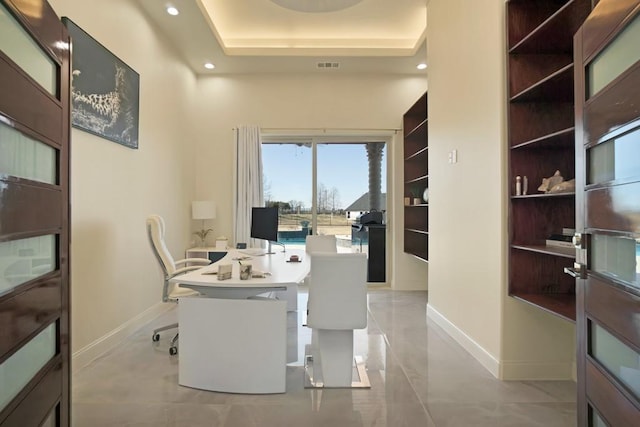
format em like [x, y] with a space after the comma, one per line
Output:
[419, 377]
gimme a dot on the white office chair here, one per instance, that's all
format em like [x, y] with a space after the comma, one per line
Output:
[321, 243]
[337, 306]
[170, 291]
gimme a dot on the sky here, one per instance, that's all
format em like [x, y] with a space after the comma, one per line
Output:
[287, 171]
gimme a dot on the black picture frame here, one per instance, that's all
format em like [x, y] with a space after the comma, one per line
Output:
[105, 92]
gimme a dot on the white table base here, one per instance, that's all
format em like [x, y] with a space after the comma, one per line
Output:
[233, 345]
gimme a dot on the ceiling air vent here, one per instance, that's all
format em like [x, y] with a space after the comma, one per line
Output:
[328, 65]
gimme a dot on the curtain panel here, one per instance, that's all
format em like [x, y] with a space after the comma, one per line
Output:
[248, 177]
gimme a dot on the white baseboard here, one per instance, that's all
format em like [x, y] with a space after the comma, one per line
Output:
[89, 353]
[505, 369]
[483, 356]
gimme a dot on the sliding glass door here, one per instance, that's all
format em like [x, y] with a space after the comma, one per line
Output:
[322, 187]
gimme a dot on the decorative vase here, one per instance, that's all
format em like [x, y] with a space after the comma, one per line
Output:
[425, 195]
[417, 201]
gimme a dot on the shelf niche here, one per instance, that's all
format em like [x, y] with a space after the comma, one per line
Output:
[541, 140]
[416, 179]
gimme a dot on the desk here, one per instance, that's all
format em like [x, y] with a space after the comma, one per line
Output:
[232, 344]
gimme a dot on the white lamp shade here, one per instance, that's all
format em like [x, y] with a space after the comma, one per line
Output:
[203, 210]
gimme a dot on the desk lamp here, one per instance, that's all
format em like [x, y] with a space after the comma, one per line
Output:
[203, 210]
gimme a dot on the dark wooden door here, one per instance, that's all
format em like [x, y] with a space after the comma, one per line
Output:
[607, 63]
[34, 216]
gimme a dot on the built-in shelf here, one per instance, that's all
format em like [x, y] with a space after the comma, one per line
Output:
[554, 34]
[548, 250]
[563, 305]
[558, 85]
[413, 230]
[416, 179]
[563, 138]
[541, 136]
[418, 153]
[422, 127]
[545, 195]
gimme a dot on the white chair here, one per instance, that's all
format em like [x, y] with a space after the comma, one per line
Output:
[170, 292]
[321, 243]
[337, 306]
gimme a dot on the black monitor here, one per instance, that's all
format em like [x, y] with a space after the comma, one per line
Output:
[264, 223]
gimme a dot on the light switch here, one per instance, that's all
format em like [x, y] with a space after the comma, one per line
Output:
[453, 156]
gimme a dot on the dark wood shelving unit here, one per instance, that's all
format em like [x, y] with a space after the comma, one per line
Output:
[541, 141]
[416, 179]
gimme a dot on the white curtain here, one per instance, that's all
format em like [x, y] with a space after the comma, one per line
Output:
[248, 181]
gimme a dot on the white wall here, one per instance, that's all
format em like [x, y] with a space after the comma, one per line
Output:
[304, 102]
[115, 280]
[468, 209]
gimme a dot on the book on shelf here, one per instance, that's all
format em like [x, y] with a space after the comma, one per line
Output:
[559, 244]
[560, 241]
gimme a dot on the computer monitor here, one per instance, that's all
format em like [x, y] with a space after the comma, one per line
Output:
[264, 223]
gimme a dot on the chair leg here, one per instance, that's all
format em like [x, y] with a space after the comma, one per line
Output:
[164, 328]
[173, 349]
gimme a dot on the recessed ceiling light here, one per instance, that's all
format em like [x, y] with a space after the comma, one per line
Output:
[209, 66]
[172, 10]
[421, 66]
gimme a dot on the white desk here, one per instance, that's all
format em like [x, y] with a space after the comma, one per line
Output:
[232, 344]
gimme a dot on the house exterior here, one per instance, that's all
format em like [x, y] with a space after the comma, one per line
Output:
[361, 205]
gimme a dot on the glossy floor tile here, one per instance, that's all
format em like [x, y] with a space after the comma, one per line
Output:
[419, 377]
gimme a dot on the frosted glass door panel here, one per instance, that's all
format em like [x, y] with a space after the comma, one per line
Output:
[616, 159]
[25, 259]
[596, 421]
[616, 257]
[17, 370]
[24, 157]
[18, 45]
[619, 359]
[621, 54]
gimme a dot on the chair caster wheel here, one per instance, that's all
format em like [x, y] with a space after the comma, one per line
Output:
[173, 351]
[155, 337]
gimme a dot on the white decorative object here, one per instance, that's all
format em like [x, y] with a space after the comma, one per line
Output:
[549, 183]
[245, 270]
[518, 186]
[564, 187]
[525, 185]
[224, 271]
[425, 195]
[407, 201]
